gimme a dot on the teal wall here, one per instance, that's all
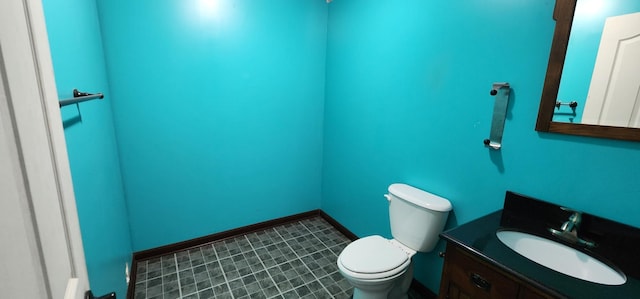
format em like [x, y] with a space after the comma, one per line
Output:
[218, 113]
[582, 51]
[78, 60]
[407, 100]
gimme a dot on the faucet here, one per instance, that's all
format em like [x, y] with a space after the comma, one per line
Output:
[569, 230]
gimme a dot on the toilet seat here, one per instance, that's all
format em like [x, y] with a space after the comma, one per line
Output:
[373, 258]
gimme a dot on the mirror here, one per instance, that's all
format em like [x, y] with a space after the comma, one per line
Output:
[572, 64]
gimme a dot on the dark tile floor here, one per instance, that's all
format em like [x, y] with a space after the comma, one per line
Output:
[295, 260]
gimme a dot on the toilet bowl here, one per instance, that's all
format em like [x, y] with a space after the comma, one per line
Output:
[380, 268]
[375, 265]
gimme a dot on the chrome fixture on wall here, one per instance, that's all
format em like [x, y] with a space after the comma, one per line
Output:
[501, 91]
[79, 96]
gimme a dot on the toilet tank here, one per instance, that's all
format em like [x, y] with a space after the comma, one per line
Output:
[417, 217]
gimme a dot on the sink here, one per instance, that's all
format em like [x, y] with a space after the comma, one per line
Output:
[561, 258]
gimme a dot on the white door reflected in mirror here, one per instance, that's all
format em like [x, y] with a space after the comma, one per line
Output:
[615, 75]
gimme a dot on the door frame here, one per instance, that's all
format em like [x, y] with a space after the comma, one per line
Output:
[52, 228]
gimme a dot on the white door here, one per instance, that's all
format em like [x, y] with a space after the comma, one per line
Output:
[614, 93]
[41, 254]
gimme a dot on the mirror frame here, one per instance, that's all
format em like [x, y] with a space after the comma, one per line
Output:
[563, 14]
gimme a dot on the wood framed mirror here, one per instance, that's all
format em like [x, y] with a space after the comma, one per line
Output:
[564, 15]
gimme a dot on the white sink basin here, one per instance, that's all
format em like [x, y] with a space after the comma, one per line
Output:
[561, 258]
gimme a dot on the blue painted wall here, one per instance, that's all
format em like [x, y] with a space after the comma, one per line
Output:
[78, 60]
[407, 100]
[582, 51]
[218, 109]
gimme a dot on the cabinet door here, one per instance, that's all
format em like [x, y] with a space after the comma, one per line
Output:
[465, 277]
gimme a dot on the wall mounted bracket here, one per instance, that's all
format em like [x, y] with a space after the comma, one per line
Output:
[89, 295]
[501, 91]
[79, 96]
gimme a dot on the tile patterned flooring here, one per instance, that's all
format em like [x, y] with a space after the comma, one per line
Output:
[295, 260]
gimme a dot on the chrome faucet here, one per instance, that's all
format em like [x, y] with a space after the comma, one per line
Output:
[569, 230]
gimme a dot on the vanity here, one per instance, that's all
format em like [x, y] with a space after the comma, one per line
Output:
[478, 264]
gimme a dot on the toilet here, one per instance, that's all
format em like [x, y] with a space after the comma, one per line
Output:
[380, 268]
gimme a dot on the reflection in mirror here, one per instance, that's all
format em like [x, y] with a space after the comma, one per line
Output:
[575, 124]
[600, 68]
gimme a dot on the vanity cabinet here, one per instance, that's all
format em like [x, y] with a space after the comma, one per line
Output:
[466, 276]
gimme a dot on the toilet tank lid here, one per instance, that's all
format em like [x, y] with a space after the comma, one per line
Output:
[420, 198]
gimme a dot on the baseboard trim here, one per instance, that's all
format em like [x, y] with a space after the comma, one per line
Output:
[338, 226]
[184, 245]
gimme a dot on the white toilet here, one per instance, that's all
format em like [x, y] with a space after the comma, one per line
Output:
[379, 268]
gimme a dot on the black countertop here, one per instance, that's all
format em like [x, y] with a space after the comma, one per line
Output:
[479, 237]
